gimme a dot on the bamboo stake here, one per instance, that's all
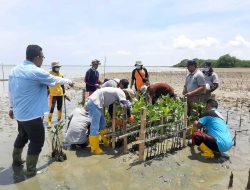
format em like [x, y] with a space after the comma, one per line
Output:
[231, 180]
[83, 96]
[227, 117]
[185, 123]
[3, 72]
[113, 125]
[124, 130]
[162, 131]
[142, 134]
[248, 183]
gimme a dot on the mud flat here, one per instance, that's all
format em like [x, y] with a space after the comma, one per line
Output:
[185, 169]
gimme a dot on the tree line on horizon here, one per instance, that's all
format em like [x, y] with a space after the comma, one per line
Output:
[225, 61]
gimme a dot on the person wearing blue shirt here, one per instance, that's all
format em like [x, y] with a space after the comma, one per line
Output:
[28, 103]
[218, 138]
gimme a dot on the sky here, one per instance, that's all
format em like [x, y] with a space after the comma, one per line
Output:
[157, 32]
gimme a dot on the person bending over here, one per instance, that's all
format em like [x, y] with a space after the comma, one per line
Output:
[96, 102]
[156, 90]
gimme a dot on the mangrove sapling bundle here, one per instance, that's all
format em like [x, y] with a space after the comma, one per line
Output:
[57, 152]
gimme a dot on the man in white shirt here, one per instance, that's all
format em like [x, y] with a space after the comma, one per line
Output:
[96, 102]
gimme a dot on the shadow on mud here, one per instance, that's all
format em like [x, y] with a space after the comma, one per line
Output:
[17, 174]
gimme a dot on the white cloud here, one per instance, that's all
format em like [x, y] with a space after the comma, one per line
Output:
[182, 42]
[239, 41]
[123, 52]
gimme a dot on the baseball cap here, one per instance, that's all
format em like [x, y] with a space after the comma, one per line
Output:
[191, 62]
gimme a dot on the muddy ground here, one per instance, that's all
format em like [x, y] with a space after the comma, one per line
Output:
[184, 169]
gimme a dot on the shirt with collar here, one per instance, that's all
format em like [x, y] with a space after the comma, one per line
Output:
[28, 90]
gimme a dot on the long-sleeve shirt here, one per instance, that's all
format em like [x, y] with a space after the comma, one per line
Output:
[28, 90]
[91, 79]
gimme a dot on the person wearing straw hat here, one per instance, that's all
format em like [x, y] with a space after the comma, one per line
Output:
[56, 93]
[139, 76]
[92, 78]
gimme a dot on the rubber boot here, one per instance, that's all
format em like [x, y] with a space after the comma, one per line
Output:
[31, 162]
[50, 119]
[105, 140]
[206, 152]
[94, 145]
[17, 157]
[59, 115]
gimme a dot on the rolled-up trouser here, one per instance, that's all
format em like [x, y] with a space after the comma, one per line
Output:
[33, 131]
[97, 119]
[198, 138]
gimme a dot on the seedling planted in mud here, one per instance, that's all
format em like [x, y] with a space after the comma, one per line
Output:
[57, 152]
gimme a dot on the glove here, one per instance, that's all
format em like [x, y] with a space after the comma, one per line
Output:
[118, 122]
[131, 119]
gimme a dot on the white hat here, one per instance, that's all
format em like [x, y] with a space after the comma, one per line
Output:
[138, 63]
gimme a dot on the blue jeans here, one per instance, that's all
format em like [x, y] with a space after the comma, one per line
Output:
[97, 119]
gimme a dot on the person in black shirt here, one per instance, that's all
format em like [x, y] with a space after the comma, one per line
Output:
[92, 77]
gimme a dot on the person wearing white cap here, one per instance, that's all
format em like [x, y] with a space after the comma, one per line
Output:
[212, 79]
[139, 76]
[92, 77]
[56, 93]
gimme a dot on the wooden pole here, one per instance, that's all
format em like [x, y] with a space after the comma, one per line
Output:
[185, 123]
[231, 178]
[104, 67]
[142, 134]
[124, 130]
[83, 96]
[3, 72]
[248, 183]
[161, 123]
[113, 125]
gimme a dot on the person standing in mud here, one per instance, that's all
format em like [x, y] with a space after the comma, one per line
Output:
[212, 80]
[195, 85]
[139, 77]
[56, 94]
[28, 103]
[218, 138]
[92, 78]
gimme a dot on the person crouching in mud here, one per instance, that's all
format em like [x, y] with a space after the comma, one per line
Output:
[78, 128]
[218, 138]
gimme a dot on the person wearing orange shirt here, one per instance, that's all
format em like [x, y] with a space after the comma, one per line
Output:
[139, 76]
